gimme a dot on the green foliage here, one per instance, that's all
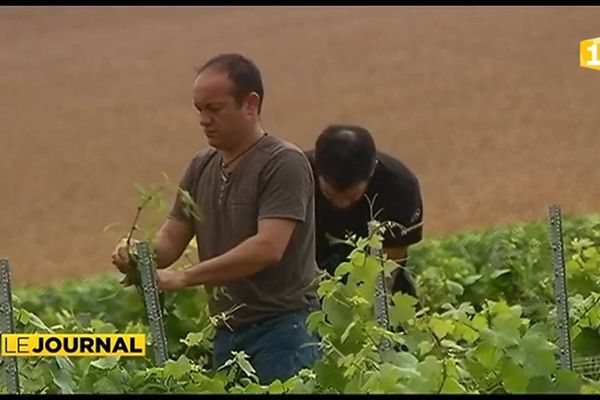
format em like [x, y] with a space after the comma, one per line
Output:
[483, 322]
[509, 263]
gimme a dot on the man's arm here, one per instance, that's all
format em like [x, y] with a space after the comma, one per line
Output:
[251, 256]
[171, 241]
[405, 207]
[285, 188]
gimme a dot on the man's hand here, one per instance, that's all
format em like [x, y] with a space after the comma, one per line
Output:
[120, 256]
[171, 280]
[168, 245]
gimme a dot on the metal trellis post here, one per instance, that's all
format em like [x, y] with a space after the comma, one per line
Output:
[560, 286]
[7, 326]
[154, 310]
[381, 304]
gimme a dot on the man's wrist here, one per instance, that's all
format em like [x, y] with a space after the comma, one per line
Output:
[190, 276]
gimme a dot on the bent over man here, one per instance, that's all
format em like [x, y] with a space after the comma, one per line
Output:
[256, 232]
[348, 171]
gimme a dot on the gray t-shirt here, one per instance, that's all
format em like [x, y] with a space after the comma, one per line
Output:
[274, 179]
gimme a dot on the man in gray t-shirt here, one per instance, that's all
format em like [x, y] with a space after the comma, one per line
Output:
[272, 181]
[256, 228]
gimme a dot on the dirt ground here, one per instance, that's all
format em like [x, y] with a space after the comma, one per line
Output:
[487, 105]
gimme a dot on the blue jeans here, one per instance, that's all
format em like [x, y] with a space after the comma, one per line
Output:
[277, 347]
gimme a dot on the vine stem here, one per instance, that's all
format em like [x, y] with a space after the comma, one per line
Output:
[587, 310]
[444, 377]
[341, 355]
[138, 213]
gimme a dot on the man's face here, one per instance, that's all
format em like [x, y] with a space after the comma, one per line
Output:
[342, 198]
[221, 118]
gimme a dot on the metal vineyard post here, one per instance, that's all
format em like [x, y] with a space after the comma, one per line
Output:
[7, 325]
[147, 270]
[381, 305]
[560, 286]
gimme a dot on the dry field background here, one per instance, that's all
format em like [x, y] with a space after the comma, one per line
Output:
[486, 104]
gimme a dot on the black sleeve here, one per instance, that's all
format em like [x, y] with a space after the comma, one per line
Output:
[406, 209]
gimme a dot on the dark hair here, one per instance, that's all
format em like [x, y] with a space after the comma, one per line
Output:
[244, 74]
[345, 155]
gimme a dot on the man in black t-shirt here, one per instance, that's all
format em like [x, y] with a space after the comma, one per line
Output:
[348, 169]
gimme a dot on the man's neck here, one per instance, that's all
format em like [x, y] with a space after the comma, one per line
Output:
[247, 141]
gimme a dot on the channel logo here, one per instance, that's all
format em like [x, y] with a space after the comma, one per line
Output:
[589, 56]
[73, 345]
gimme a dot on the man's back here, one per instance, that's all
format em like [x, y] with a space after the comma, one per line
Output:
[273, 180]
[395, 193]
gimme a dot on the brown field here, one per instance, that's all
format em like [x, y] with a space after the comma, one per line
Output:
[487, 105]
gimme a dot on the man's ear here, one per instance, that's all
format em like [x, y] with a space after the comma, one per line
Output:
[373, 169]
[252, 103]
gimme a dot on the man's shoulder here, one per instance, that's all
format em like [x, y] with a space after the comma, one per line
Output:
[394, 171]
[200, 158]
[278, 149]
[401, 197]
[204, 154]
[283, 164]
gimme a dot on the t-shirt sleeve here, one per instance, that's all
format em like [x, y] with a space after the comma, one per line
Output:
[286, 187]
[181, 209]
[408, 212]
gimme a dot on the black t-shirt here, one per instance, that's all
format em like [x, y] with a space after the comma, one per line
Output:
[398, 198]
